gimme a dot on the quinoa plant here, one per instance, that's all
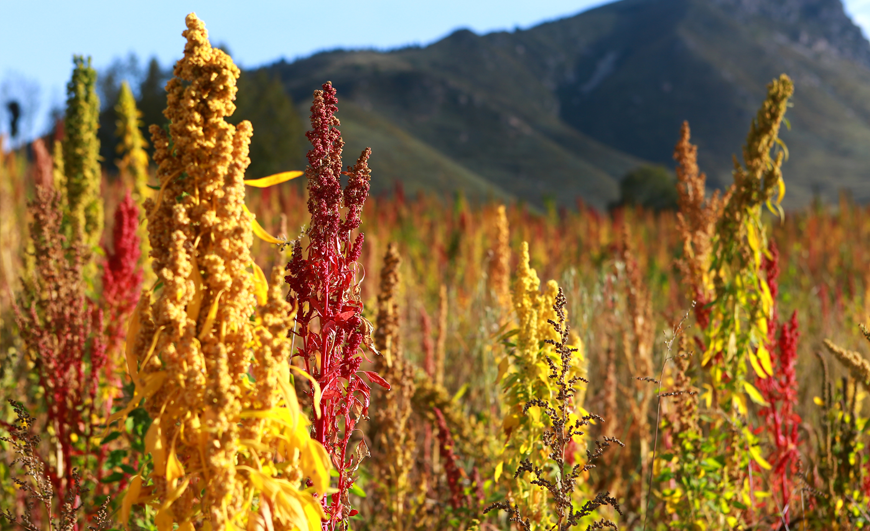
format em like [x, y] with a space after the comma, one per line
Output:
[208, 352]
[61, 329]
[707, 480]
[81, 154]
[531, 383]
[561, 424]
[324, 278]
[133, 164]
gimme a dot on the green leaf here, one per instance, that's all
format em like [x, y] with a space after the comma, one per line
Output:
[114, 477]
[115, 458]
[711, 464]
[357, 490]
[110, 437]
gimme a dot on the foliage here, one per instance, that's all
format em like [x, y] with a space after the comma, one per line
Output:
[277, 144]
[649, 187]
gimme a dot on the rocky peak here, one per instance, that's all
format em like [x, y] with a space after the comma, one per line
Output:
[821, 25]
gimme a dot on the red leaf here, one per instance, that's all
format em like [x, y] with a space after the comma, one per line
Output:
[375, 378]
[344, 316]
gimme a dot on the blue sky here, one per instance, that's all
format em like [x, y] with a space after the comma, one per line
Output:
[38, 39]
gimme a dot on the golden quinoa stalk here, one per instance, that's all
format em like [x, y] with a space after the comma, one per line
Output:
[386, 335]
[500, 261]
[697, 216]
[524, 375]
[133, 164]
[227, 440]
[393, 433]
[441, 336]
[81, 153]
[858, 366]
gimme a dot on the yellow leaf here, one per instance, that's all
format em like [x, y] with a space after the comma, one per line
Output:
[739, 402]
[762, 326]
[256, 445]
[288, 392]
[459, 394]
[317, 392]
[300, 509]
[315, 462]
[261, 287]
[838, 506]
[818, 401]
[708, 395]
[498, 469]
[509, 423]
[278, 178]
[745, 494]
[152, 383]
[754, 394]
[781, 184]
[711, 351]
[170, 497]
[185, 526]
[159, 199]
[164, 520]
[130, 348]
[259, 231]
[196, 302]
[314, 514]
[764, 358]
[752, 238]
[766, 298]
[153, 346]
[130, 498]
[756, 454]
[154, 445]
[174, 468]
[732, 344]
[209, 319]
[753, 360]
[278, 414]
[503, 367]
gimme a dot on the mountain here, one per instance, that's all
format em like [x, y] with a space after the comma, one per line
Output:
[565, 109]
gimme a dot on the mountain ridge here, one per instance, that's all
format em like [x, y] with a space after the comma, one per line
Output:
[566, 108]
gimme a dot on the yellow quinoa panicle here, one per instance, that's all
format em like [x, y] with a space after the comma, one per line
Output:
[858, 366]
[216, 432]
[525, 298]
[499, 264]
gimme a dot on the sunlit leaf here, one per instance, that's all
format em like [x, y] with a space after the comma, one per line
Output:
[278, 178]
[754, 394]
